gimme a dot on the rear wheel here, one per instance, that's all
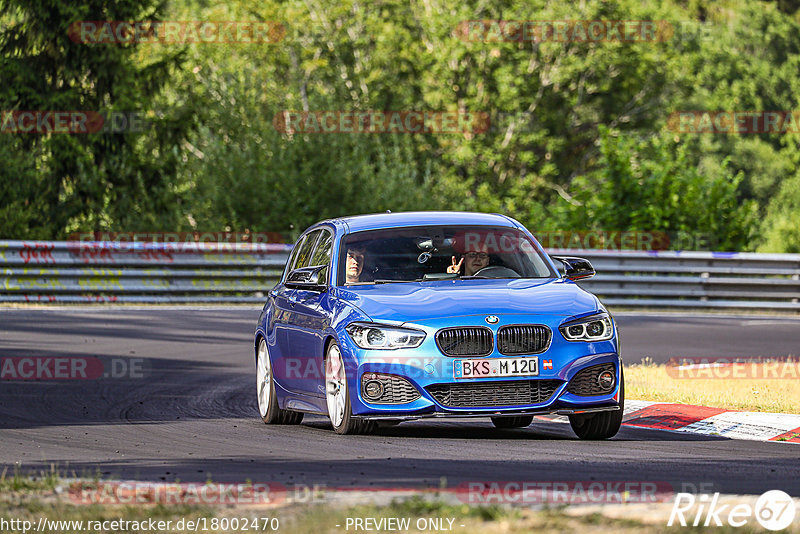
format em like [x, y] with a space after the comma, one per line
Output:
[337, 396]
[268, 408]
[517, 421]
[601, 425]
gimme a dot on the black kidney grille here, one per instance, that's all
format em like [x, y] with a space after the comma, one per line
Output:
[585, 382]
[465, 341]
[523, 339]
[492, 394]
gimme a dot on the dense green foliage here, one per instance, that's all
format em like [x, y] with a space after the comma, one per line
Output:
[580, 138]
[53, 184]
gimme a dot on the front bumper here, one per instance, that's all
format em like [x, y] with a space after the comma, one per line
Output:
[426, 366]
[399, 418]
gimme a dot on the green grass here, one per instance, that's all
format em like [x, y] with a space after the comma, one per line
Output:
[16, 482]
[651, 382]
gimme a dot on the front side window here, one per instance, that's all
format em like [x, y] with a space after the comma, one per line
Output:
[303, 248]
[439, 252]
[293, 255]
[322, 254]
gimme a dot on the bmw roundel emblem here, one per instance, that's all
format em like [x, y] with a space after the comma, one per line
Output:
[492, 319]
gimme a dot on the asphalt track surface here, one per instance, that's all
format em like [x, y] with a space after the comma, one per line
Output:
[192, 414]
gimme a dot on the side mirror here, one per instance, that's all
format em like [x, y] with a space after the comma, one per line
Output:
[307, 278]
[576, 268]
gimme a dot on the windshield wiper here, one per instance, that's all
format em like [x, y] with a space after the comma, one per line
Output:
[437, 276]
[426, 279]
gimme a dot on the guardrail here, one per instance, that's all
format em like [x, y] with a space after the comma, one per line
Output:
[673, 279]
[80, 271]
[77, 271]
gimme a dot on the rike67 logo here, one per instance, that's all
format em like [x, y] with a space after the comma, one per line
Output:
[774, 510]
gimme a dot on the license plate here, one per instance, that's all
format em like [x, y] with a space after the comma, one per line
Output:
[495, 367]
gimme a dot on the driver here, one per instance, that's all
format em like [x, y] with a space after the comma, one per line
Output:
[355, 263]
[473, 261]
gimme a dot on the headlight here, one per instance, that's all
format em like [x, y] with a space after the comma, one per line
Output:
[594, 328]
[379, 336]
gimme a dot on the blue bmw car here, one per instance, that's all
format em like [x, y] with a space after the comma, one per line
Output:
[385, 318]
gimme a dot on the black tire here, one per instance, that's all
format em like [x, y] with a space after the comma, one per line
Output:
[349, 423]
[274, 414]
[601, 425]
[517, 421]
[352, 425]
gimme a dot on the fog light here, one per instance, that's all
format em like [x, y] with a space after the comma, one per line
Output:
[605, 380]
[373, 389]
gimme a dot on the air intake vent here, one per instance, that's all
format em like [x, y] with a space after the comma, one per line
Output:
[395, 389]
[494, 394]
[585, 382]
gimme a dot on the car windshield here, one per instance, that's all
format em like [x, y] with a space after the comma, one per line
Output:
[422, 254]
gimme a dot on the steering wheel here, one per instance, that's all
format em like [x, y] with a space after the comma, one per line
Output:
[497, 271]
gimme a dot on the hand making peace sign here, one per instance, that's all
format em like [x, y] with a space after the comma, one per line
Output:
[456, 267]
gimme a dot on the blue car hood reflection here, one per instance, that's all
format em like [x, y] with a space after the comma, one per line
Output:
[413, 301]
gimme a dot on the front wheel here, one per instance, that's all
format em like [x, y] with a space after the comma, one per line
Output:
[601, 425]
[337, 396]
[268, 408]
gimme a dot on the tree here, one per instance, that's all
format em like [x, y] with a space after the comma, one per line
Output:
[85, 181]
[652, 185]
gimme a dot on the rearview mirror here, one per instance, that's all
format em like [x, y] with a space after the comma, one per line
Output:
[307, 278]
[576, 268]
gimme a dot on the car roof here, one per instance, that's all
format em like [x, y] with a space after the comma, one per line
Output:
[423, 218]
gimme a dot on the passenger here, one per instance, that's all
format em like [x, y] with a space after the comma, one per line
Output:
[355, 263]
[475, 261]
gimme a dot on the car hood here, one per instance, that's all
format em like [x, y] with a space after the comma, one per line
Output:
[413, 301]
